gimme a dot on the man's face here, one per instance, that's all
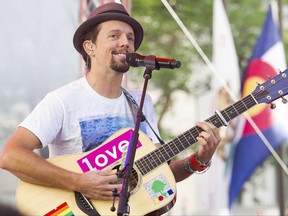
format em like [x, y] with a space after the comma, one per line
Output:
[114, 41]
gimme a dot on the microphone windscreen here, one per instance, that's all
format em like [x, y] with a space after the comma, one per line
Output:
[131, 59]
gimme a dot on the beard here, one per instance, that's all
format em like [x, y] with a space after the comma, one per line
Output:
[121, 67]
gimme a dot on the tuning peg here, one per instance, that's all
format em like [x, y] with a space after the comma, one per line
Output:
[272, 105]
[284, 100]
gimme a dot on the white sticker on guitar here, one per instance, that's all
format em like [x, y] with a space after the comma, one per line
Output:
[158, 188]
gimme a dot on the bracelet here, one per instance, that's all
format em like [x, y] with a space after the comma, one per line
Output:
[193, 165]
[208, 164]
[187, 166]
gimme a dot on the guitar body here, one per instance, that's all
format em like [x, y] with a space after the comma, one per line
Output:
[153, 189]
[147, 195]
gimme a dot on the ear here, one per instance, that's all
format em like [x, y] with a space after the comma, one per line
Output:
[88, 47]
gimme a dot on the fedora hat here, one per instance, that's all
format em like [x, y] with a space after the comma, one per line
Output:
[105, 12]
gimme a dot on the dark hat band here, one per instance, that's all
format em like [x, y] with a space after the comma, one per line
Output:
[115, 11]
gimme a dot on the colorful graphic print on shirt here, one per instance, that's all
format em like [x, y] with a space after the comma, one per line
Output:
[94, 131]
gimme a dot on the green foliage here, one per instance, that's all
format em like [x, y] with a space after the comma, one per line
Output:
[246, 19]
[163, 37]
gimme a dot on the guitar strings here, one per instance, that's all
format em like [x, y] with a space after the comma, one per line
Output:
[223, 83]
[148, 162]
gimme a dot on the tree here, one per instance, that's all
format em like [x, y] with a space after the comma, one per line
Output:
[163, 37]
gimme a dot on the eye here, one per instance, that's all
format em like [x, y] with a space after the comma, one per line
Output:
[131, 39]
[115, 36]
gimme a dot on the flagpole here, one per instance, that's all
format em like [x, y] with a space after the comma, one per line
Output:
[225, 5]
[280, 16]
[281, 151]
[281, 180]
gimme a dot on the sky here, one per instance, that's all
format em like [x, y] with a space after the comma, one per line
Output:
[37, 56]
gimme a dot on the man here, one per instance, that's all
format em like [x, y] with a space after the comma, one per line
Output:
[81, 115]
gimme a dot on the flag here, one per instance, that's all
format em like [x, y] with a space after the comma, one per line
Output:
[224, 53]
[250, 151]
[225, 62]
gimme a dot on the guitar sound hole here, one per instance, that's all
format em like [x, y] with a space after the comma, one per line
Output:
[133, 180]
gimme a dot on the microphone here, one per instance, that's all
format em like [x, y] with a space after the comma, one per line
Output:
[137, 60]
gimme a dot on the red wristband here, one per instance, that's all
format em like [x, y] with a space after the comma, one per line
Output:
[195, 164]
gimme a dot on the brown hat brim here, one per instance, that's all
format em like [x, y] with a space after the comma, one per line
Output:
[86, 26]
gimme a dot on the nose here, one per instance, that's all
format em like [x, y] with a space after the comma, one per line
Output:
[124, 41]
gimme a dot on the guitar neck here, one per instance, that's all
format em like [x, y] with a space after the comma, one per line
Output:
[169, 150]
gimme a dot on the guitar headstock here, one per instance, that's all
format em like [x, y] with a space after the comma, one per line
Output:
[272, 89]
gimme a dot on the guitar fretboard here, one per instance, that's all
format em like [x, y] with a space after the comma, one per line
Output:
[169, 150]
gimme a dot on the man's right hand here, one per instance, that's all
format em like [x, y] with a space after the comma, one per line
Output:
[99, 184]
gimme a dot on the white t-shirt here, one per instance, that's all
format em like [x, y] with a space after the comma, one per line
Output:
[75, 118]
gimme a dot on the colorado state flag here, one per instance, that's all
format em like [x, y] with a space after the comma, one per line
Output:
[250, 151]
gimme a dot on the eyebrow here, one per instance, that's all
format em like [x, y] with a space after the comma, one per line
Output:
[118, 30]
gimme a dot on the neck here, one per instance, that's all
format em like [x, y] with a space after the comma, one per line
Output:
[106, 84]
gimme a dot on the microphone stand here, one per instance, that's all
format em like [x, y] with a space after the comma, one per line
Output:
[123, 207]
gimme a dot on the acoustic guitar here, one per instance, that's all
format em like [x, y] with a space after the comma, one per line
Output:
[153, 186]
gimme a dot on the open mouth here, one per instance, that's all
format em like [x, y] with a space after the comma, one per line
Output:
[121, 56]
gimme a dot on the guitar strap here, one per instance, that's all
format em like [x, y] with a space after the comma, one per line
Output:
[135, 107]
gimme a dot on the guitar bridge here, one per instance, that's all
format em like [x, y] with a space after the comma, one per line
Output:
[85, 205]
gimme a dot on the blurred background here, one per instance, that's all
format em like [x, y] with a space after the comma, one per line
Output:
[226, 47]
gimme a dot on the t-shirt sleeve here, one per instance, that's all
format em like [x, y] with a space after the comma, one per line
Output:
[46, 119]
